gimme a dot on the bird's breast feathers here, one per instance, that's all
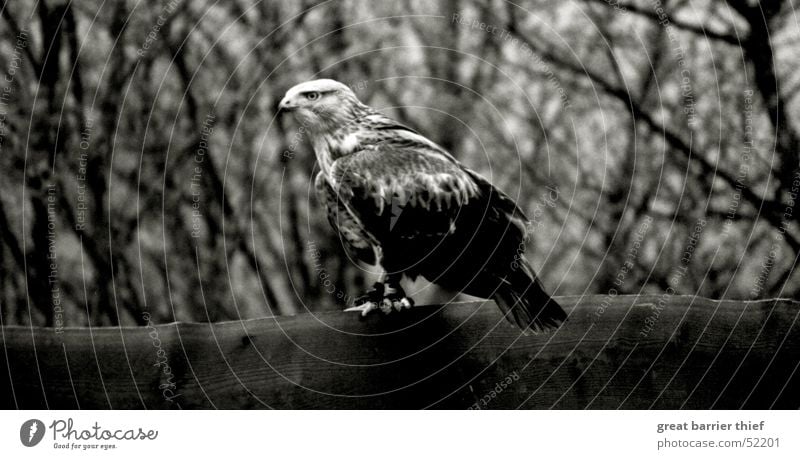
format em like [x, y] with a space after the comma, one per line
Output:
[379, 170]
[406, 176]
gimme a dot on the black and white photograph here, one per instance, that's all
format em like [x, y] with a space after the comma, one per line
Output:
[479, 205]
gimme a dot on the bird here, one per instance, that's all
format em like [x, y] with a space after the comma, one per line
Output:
[399, 200]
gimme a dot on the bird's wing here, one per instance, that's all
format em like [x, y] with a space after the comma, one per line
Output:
[380, 184]
[358, 241]
[411, 198]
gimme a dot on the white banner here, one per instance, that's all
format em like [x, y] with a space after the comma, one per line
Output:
[382, 434]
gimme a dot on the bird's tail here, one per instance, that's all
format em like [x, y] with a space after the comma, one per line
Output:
[524, 302]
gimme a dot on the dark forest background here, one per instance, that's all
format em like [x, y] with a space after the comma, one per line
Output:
[143, 169]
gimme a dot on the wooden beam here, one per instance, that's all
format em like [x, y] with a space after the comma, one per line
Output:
[636, 352]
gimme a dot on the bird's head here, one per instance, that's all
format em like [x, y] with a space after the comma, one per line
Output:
[322, 104]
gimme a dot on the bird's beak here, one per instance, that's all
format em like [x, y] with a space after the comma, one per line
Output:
[286, 105]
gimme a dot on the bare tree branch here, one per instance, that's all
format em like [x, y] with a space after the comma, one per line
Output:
[693, 28]
[773, 210]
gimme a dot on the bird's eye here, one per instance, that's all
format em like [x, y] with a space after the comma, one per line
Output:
[312, 95]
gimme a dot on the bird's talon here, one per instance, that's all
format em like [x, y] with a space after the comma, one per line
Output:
[373, 295]
[365, 308]
[387, 298]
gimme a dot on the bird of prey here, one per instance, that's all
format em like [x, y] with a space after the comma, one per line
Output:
[399, 200]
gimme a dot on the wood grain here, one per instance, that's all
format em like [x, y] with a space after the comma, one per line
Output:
[697, 354]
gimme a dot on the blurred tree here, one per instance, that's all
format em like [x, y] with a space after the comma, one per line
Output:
[144, 168]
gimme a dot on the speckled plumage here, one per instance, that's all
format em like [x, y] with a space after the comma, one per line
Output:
[398, 199]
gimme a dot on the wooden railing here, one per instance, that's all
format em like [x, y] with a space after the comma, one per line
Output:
[621, 352]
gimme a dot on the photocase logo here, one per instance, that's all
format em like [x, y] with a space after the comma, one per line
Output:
[31, 432]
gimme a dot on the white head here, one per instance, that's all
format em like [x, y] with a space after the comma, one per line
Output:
[322, 104]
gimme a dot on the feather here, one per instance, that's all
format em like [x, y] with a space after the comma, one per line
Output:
[399, 199]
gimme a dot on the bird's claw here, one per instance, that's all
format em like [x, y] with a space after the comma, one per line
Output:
[390, 304]
[365, 308]
[395, 299]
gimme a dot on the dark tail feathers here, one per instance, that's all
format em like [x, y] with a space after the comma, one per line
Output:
[525, 303]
